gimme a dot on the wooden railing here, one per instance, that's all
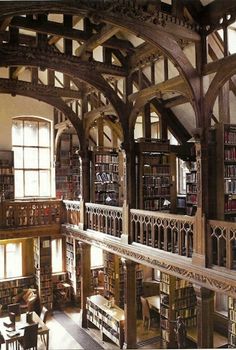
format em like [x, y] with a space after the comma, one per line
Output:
[104, 218]
[168, 232]
[72, 215]
[30, 213]
[222, 243]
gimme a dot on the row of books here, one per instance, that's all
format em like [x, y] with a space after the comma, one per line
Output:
[232, 303]
[156, 180]
[111, 168]
[191, 188]
[156, 170]
[191, 177]
[191, 198]
[156, 159]
[230, 205]
[229, 137]
[154, 204]
[106, 158]
[230, 170]
[6, 171]
[107, 177]
[230, 186]
[230, 154]
[156, 191]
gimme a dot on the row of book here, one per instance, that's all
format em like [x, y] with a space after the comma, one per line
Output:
[107, 177]
[110, 168]
[156, 191]
[230, 170]
[106, 158]
[230, 205]
[232, 303]
[156, 180]
[191, 198]
[154, 159]
[191, 177]
[230, 154]
[156, 170]
[154, 204]
[230, 137]
[230, 186]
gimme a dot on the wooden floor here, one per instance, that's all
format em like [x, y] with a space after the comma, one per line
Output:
[61, 336]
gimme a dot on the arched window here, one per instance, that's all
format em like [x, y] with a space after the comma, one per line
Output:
[32, 141]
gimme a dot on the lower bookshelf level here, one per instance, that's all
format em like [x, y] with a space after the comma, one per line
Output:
[110, 320]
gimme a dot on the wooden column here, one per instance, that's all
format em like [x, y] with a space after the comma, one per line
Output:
[147, 122]
[129, 175]
[84, 186]
[130, 304]
[100, 140]
[85, 279]
[205, 309]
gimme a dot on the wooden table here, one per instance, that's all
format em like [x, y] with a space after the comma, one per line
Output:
[218, 339]
[154, 302]
[43, 329]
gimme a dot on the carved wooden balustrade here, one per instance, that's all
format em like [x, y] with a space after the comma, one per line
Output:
[30, 213]
[172, 233]
[72, 215]
[104, 218]
[222, 243]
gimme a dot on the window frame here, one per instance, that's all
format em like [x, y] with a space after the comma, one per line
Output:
[5, 276]
[38, 169]
[53, 254]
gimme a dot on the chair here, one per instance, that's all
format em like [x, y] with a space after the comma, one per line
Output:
[147, 313]
[44, 315]
[30, 337]
[14, 308]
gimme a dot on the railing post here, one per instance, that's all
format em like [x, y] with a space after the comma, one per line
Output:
[229, 257]
[126, 232]
[83, 216]
[199, 239]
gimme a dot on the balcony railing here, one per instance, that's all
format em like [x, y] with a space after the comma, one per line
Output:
[72, 215]
[104, 218]
[172, 233]
[222, 243]
[30, 213]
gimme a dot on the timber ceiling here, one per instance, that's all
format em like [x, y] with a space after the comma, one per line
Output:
[116, 56]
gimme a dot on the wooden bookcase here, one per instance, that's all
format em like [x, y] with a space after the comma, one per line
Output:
[232, 323]
[68, 168]
[6, 175]
[191, 190]
[11, 287]
[114, 280]
[73, 265]
[43, 270]
[110, 321]
[156, 176]
[177, 298]
[226, 172]
[106, 177]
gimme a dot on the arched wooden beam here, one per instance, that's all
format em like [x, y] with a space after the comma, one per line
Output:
[34, 57]
[91, 116]
[56, 102]
[139, 26]
[226, 70]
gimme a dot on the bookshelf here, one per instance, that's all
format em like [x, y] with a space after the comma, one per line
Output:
[68, 168]
[6, 175]
[177, 298]
[110, 320]
[43, 270]
[114, 280]
[226, 172]
[191, 190]
[232, 323]
[156, 176]
[73, 264]
[11, 287]
[106, 177]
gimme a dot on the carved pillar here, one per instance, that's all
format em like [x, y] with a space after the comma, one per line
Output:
[130, 304]
[205, 309]
[84, 186]
[85, 279]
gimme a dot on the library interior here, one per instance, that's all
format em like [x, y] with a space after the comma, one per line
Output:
[117, 174]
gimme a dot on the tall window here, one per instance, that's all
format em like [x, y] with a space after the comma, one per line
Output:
[10, 260]
[96, 256]
[31, 140]
[57, 255]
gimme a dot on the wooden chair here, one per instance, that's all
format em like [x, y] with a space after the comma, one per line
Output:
[15, 308]
[147, 313]
[43, 315]
[30, 337]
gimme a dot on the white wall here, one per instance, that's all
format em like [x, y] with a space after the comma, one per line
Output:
[17, 106]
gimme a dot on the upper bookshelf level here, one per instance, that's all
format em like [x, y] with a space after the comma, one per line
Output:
[6, 175]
